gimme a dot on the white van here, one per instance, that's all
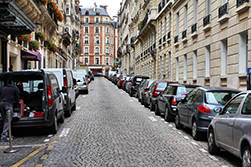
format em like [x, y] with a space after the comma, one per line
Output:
[82, 80]
[65, 79]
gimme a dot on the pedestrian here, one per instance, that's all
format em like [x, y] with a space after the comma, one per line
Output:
[9, 98]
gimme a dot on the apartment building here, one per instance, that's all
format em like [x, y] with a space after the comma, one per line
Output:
[190, 41]
[39, 37]
[99, 39]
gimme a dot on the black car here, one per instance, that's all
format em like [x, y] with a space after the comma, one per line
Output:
[143, 88]
[41, 101]
[167, 101]
[136, 80]
[196, 110]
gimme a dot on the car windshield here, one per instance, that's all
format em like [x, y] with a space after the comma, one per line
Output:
[80, 79]
[184, 90]
[161, 86]
[150, 83]
[219, 97]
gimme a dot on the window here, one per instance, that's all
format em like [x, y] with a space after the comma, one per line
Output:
[195, 64]
[68, 10]
[208, 7]
[177, 24]
[160, 67]
[97, 50]
[96, 60]
[195, 11]
[246, 109]
[107, 40]
[177, 68]
[86, 60]
[97, 20]
[107, 61]
[160, 29]
[96, 40]
[169, 65]
[107, 30]
[170, 22]
[233, 106]
[243, 52]
[106, 20]
[97, 30]
[86, 50]
[224, 57]
[190, 96]
[165, 27]
[86, 20]
[207, 61]
[86, 30]
[107, 51]
[185, 18]
[185, 67]
[86, 40]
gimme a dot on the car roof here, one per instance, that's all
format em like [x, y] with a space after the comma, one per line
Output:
[209, 88]
[185, 85]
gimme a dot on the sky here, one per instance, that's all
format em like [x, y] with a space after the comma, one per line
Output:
[112, 5]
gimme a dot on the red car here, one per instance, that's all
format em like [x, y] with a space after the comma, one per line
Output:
[155, 89]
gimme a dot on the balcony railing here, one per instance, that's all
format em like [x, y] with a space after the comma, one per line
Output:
[96, 53]
[163, 3]
[176, 39]
[194, 28]
[169, 35]
[223, 10]
[141, 55]
[144, 21]
[241, 2]
[86, 53]
[133, 39]
[154, 46]
[184, 34]
[86, 43]
[207, 20]
[13, 37]
[160, 42]
[164, 38]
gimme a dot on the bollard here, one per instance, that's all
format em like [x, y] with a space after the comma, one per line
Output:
[9, 150]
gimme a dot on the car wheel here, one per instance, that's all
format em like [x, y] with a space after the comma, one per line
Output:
[177, 121]
[139, 100]
[68, 112]
[152, 107]
[145, 104]
[142, 101]
[196, 135]
[212, 148]
[156, 110]
[54, 127]
[130, 93]
[74, 106]
[246, 157]
[168, 116]
[61, 119]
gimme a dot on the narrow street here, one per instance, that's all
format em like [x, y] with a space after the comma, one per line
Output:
[110, 128]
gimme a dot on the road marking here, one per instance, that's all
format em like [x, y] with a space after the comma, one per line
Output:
[152, 118]
[213, 158]
[194, 143]
[186, 137]
[28, 157]
[179, 132]
[174, 129]
[50, 148]
[45, 156]
[131, 100]
[49, 135]
[78, 107]
[170, 125]
[162, 119]
[46, 140]
[64, 132]
[39, 165]
[203, 150]
[152, 112]
[135, 99]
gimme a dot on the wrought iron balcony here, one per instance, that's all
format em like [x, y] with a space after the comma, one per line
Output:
[184, 34]
[13, 38]
[176, 39]
[241, 2]
[223, 10]
[154, 46]
[164, 38]
[194, 28]
[169, 35]
[133, 39]
[160, 41]
[207, 20]
[86, 53]
[141, 55]
[163, 3]
[144, 21]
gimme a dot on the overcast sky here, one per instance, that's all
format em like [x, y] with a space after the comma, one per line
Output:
[112, 5]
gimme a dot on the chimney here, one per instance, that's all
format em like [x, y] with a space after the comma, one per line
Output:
[104, 6]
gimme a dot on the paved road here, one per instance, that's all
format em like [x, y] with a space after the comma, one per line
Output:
[109, 128]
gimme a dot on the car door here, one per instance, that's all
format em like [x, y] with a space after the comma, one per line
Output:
[71, 87]
[57, 96]
[163, 97]
[225, 121]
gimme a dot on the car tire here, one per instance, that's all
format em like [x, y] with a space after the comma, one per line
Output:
[212, 148]
[74, 106]
[139, 100]
[145, 104]
[130, 93]
[177, 121]
[156, 110]
[61, 119]
[195, 134]
[246, 156]
[168, 117]
[152, 107]
[54, 127]
[142, 101]
[68, 112]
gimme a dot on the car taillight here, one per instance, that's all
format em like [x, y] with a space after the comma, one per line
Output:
[84, 84]
[155, 94]
[145, 90]
[204, 109]
[65, 83]
[174, 102]
[133, 84]
[50, 97]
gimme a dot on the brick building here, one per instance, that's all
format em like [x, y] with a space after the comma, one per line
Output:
[99, 39]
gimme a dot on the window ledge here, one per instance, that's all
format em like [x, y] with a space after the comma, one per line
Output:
[176, 44]
[223, 76]
[223, 19]
[207, 27]
[194, 35]
[184, 40]
[244, 7]
[168, 40]
[164, 43]
[242, 75]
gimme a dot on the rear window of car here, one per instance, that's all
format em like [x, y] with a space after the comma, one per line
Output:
[184, 90]
[219, 97]
[161, 86]
[80, 79]
[138, 79]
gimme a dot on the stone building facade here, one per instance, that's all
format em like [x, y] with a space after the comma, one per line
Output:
[49, 19]
[99, 39]
[189, 41]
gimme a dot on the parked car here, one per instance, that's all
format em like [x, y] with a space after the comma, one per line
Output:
[82, 81]
[136, 80]
[98, 74]
[121, 80]
[116, 79]
[196, 110]
[167, 101]
[127, 79]
[230, 128]
[143, 88]
[65, 79]
[155, 89]
[128, 85]
[41, 101]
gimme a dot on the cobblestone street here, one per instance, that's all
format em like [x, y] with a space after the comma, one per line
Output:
[110, 128]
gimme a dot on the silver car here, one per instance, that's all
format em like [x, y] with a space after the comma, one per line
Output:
[230, 129]
[82, 85]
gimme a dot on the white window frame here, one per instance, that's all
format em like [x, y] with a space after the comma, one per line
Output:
[97, 60]
[177, 68]
[207, 61]
[86, 50]
[195, 64]
[185, 67]
[243, 52]
[86, 39]
[224, 48]
[97, 40]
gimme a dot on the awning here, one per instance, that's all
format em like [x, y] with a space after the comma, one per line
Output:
[30, 55]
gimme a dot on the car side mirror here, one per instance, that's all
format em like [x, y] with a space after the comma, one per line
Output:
[63, 89]
[218, 110]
